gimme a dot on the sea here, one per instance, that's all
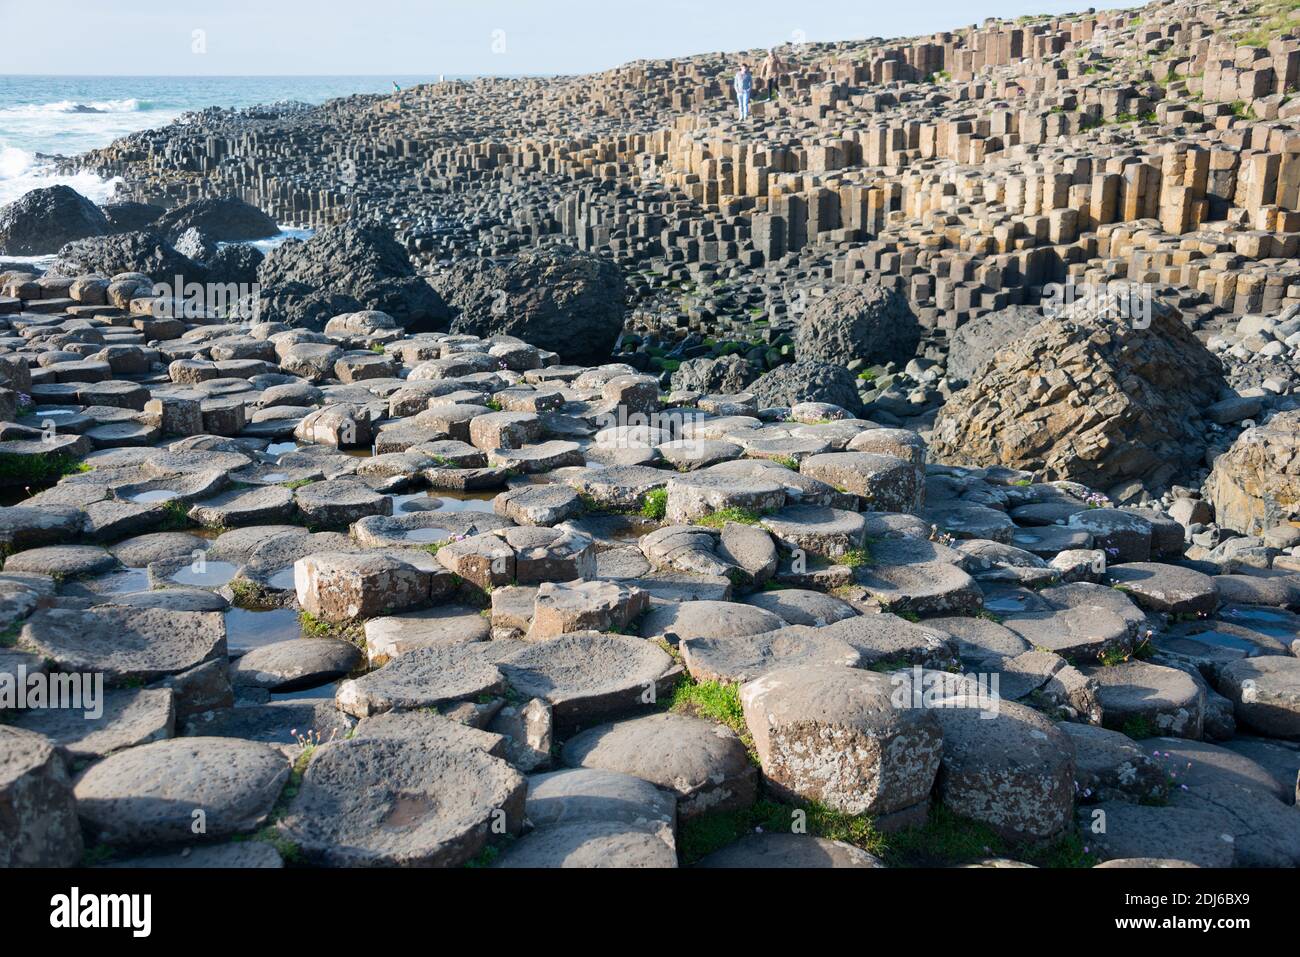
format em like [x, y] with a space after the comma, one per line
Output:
[67, 115]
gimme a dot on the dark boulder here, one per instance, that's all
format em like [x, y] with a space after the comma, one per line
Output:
[128, 217]
[555, 298]
[724, 375]
[44, 220]
[224, 219]
[807, 381]
[362, 262]
[235, 262]
[870, 322]
[297, 304]
[143, 251]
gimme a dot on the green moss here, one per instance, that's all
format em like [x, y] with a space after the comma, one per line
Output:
[655, 505]
[315, 627]
[297, 483]
[854, 558]
[176, 516]
[1138, 727]
[484, 858]
[716, 700]
[740, 516]
[791, 464]
[27, 470]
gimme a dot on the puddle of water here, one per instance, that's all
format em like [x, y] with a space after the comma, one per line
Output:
[121, 582]
[210, 575]
[1005, 603]
[280, 448]
[251, 629]
[426, 535]
[325, 692]
[1224, 640]
[1256, 614]
[407, 810]
[54, 411]
[282, 580]
[154, 495]
[481, 502]
[272, 477]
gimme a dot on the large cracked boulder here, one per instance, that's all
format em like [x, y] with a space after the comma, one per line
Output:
[1256, 483]
[807, 381]
[44, 220]
[556, 298]
[870, 322]
[1087, 400]
[973, 345]
[144, 251]
[356, 265]
[221, 219]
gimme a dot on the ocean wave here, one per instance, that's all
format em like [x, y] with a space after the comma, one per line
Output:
[20, 173]
[130, 105]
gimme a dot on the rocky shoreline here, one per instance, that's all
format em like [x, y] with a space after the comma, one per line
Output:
[690, 501]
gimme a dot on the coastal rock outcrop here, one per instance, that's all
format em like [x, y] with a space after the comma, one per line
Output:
[555, 298]
[807, 381]
[870, 322]
[144, 251]
[44, 220]
[357, 261]
[222, 219]
[1088, 400]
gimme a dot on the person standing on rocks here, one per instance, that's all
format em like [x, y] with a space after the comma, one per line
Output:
[744, 84]
[773, 68]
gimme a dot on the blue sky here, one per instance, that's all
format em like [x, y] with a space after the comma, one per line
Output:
[242, 37]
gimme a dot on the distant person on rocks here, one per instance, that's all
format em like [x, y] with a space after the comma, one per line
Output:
[773, 70]
[744, 86]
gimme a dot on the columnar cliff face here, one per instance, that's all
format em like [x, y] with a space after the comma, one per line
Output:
[968, 168]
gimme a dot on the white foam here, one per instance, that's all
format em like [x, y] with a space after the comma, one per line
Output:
[130, 105]
[21, 173]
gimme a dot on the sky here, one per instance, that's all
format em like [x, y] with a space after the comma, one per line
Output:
[455, 37]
